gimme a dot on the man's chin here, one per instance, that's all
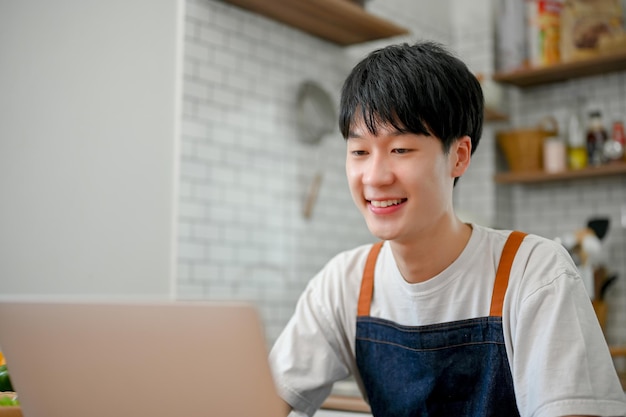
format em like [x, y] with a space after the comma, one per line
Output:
[381, 233]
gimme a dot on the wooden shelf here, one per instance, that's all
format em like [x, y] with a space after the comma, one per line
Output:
[601, 64]
[618, 168]
[338, 21]
[492, 115]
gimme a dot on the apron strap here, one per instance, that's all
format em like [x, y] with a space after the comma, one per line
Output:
[504, 269]
[367, 282]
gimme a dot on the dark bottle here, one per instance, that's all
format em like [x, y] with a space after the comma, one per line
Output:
[596, 137]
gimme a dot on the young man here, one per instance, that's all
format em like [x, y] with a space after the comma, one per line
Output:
[440, 318]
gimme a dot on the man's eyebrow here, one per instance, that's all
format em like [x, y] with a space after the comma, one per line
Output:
[354, 135]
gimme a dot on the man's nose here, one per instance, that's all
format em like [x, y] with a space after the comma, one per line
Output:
[378, 171]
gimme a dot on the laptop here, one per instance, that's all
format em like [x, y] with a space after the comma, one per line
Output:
[137, 358]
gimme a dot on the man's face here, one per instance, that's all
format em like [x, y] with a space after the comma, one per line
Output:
[402, 182]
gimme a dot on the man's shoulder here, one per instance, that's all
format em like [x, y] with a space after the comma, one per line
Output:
[538, 263]
[498, 237]
[536, 254]
[343, 269]
[351, 258]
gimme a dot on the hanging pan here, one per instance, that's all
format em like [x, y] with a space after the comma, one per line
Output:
[315, 112]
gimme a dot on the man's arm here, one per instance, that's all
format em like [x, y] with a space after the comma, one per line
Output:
[287, 409]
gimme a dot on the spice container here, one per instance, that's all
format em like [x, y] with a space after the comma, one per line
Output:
[576, 148]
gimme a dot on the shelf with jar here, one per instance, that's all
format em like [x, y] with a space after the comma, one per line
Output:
[605, 63]
[538, 154]
[549, 41]
[539, 176]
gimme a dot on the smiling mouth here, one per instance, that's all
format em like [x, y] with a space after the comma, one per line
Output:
[386, 203]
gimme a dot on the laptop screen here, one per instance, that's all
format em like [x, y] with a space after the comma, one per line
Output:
[147, 358]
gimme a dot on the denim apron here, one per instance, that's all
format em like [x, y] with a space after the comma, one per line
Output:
[453, 369]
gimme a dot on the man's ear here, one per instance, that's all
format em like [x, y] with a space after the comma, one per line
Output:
[460, 154]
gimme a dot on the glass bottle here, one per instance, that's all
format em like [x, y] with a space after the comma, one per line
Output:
[576, 146]
[596, 137]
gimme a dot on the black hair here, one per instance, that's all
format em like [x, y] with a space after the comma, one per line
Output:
[419, 88]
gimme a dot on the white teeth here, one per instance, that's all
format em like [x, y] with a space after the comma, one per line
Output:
[385, 203]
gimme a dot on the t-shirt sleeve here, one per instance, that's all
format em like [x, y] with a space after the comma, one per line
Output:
[561, 363]
[310, 354]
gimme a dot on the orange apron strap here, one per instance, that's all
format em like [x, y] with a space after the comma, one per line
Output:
[367, 282]
[504, 269]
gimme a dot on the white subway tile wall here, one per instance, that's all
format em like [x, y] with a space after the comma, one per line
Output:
[245, 175]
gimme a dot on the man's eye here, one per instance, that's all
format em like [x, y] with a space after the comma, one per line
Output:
[358, 153]
[401, 150]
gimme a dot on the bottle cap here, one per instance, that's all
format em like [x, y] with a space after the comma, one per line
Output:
[595, 113]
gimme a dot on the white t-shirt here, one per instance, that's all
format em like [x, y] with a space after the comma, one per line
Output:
[557, 352]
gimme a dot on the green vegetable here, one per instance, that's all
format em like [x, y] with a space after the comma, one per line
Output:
[9, 401]
[5, 380]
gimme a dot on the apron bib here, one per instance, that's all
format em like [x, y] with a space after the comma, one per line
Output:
[448, 369]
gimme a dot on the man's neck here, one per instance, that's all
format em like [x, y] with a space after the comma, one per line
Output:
[425, 257]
